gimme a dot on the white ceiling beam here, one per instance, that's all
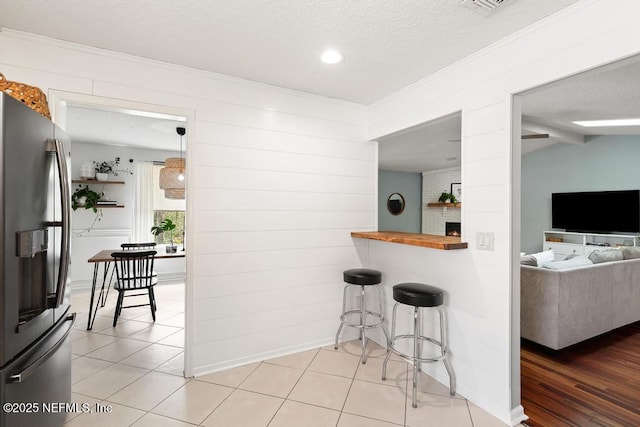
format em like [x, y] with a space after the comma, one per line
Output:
[555, 134]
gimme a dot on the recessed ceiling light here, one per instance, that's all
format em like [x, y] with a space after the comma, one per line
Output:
[331, 57]
[601, 123]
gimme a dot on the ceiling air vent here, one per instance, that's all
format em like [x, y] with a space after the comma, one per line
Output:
[483, 6]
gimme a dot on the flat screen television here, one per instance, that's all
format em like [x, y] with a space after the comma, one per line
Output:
[597, 211]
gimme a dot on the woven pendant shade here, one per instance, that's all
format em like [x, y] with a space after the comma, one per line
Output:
[173, 167]
[172, 177]
[174, 193]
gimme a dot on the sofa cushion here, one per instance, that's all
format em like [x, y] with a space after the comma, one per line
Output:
[528, 260]
[566, 264]
[630, 252]
[544, 257]
[606, 255]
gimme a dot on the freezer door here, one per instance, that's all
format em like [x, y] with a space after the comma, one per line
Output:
[35, 388]
[25, 312]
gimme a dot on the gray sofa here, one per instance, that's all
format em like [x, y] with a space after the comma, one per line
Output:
[561, 308]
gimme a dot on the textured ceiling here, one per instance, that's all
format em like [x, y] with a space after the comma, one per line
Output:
[608, 92]
[387, 44]
[126, 129]
[433, 146]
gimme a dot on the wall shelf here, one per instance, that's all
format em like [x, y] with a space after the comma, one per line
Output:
[444, 205]
[95, 181]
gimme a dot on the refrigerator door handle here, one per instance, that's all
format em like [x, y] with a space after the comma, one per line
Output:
[25, 373]
[65, 251]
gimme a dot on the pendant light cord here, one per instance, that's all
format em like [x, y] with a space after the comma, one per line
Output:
[181, 131]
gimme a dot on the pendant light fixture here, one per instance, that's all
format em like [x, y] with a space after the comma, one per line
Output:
[172, 174]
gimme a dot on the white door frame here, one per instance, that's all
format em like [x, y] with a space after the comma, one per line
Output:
[60, 100]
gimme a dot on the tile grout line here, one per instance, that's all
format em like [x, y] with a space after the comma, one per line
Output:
[149, 371]
[307, 369]
[294, 386]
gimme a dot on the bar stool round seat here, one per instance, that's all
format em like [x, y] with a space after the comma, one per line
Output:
[360, 317]
[362, 276]
[419, 296]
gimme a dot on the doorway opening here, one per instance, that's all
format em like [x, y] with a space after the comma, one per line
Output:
[104, 116]
[561, 156]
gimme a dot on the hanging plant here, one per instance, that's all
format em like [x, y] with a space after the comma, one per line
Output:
[84, 197]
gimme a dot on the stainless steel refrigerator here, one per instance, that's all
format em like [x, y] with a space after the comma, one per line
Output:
[35, 320]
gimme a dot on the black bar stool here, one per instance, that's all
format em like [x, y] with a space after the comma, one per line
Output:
[419, 296]
[364, 278]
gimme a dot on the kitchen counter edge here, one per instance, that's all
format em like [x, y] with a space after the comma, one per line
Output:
[425, 240]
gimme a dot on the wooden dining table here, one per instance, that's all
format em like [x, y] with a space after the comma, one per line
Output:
[105, 259]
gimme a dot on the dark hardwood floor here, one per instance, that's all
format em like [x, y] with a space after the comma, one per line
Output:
[593, 383]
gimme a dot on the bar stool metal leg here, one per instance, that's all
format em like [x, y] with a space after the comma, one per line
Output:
[416, 353]
[363, 320]
[417, 358]
[393, 331]
[344, 310]
[445, 349]
[361, 317]
[381, 308]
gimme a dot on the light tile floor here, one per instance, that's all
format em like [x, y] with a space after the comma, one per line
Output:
[135, 369]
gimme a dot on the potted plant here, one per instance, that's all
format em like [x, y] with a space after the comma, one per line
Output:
[84, 197]
[166, 226]
[447, 197]
[103, 169]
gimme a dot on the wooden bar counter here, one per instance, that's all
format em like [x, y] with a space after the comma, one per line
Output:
[425, 240]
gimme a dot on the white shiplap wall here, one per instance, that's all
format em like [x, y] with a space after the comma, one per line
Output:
[483, 286]
[278, 179]
[266, 279]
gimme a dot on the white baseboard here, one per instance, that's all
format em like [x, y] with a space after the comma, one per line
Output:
[518, 415]
[259, 357]
[167, 278]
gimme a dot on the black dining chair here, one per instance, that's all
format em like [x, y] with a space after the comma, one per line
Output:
[129, 247]
[138, 246]
[134, 272]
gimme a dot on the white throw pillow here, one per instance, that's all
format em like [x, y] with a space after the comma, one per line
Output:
[544, 257]
[630, 252]
[606, 255]
[577, 261]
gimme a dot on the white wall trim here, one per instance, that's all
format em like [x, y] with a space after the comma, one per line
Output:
[165, 279]
[102, 232]
[517, 415]
[259, 357]
[59, 100]
[515, 217]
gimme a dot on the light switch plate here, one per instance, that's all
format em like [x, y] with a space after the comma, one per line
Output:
[484, 241]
